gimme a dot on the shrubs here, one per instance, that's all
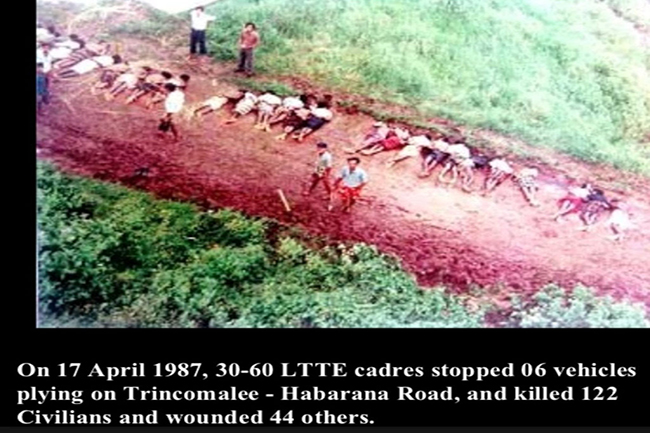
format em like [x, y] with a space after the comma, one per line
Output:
[112, 257]
[554, 307]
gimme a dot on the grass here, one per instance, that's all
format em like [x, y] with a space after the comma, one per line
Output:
[567, 74]
[112, 257]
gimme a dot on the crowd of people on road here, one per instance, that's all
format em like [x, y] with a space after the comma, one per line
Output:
[299, 116]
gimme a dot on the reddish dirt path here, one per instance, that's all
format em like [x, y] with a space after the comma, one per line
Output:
[442, 235]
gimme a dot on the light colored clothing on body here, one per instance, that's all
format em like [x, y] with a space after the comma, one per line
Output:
[292, 103]
[216, 102]
[246, 105]
[353, 179]
[200, 20]
[324, 162]
[174, 102]
[89, 65]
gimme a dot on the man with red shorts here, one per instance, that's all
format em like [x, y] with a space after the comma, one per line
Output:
[349, 183]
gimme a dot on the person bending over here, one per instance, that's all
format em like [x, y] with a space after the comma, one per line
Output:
[349, 183]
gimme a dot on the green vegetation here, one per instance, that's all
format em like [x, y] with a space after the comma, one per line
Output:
[554, 307]
[109, 256]
[569, 74]
[264, 86]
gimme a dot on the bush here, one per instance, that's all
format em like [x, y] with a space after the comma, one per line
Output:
[554, 307]
[117, 258]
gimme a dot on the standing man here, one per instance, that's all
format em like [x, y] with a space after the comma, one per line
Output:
[322, 170]
[200, 22]
[42, 88]
[44, 57]
[353, 179]
[173, 104]
[248, 41]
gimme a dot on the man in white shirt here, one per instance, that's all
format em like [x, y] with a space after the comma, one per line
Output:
[200, 22]
[173, 104]
[44, 56]
[322, 170]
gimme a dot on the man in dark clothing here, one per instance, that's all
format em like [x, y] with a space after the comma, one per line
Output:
[42, 88]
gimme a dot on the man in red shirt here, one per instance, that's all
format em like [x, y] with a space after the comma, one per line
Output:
[248, 41]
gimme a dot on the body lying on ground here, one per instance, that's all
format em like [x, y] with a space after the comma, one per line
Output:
[317, 118]
[396, 139]
[266, 106]
[89, 65]
[412, 148]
